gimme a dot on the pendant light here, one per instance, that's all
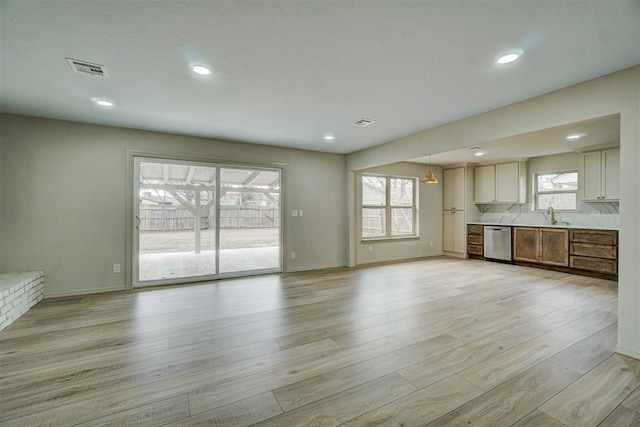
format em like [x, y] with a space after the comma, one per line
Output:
[429, 178]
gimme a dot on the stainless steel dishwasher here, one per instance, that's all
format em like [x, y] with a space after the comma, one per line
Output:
[497, 243]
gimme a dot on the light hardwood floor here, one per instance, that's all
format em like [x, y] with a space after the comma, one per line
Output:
[432, 342]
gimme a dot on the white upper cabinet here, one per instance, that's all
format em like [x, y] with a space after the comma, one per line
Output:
[601, 175]
[611, 174]
[453, 188]
[485, 184]
[507, 182]
[502, 183]
[592, 175]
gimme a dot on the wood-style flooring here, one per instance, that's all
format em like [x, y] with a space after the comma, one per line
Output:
[438, 342]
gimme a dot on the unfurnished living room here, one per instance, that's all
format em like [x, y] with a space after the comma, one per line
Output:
[319, 213]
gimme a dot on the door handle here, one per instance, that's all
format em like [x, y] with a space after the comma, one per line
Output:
[137, 222]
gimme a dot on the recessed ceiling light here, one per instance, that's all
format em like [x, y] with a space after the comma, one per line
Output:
[575, 136]
[478, 151]
[509, 57]
[329, 137]
[102, 102]
[199, 69]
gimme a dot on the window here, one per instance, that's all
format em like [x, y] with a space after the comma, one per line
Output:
[388, 207]
[559, 190]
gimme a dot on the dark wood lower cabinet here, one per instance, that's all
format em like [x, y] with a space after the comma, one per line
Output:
[554, 246]
[475, 240]
[594, 250]
[594, 264]
[579, 251]
[526, 246]
[541, 245]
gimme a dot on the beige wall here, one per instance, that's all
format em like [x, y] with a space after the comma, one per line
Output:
[63, 188]
[617, 93]
[429, 219]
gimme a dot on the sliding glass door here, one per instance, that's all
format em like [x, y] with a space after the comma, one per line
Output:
[199, 221]
[249, 219]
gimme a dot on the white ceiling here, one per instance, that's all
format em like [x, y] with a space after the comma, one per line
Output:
[287, 72]
[595, 134]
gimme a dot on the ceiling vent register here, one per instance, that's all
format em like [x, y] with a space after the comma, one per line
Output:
[364, 122]
[85, 67]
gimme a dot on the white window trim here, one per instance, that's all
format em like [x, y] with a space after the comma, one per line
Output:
[536, 192]
[388, 209]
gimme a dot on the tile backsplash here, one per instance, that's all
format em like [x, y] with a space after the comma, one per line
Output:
[593, 215]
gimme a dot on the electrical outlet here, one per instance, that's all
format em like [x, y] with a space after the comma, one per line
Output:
[293, 255]
[370, 248]
[430, 242]
[595, 213]
[116, 268]
[300, 212]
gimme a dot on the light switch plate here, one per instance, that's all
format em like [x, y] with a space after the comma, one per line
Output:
[294, 212]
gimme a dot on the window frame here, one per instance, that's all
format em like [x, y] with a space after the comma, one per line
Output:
[537, 193]
[388, 208]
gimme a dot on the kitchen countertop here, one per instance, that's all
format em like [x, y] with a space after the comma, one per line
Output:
[560, 225]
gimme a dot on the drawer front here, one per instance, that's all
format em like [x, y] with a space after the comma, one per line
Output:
[475, 249]
[600, 237]
[591, 250]
[475, 239]
[594, 264]
[476, 229]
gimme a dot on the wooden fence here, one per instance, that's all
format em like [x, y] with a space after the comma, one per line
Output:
[174, 219]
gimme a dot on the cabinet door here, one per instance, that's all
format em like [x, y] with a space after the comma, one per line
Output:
[525, 244]
[458, 189]
[485, 184]
[453, 189]
[554, 247]
[611, 174]
[507, 182]
[454, 238]
[459, 235]
[448, 185]
[592, 176]
[447, 237]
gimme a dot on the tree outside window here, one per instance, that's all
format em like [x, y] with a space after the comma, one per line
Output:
[388, 207]
[559, 190]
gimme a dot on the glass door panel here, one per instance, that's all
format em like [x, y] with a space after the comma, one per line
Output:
[175, 218]
[249, 220]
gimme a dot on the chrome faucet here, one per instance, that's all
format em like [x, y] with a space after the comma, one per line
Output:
[552, 219]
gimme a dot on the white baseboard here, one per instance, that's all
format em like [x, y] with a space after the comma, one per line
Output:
[453, 254]
[628, 352]
[316, 267]
[81, 292]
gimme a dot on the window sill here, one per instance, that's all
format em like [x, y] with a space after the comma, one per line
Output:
[389, 239]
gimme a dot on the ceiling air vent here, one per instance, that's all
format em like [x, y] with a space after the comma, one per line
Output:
[85, 67]
[364, 122]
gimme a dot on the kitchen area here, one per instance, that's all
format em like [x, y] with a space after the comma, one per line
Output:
[549, 199]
